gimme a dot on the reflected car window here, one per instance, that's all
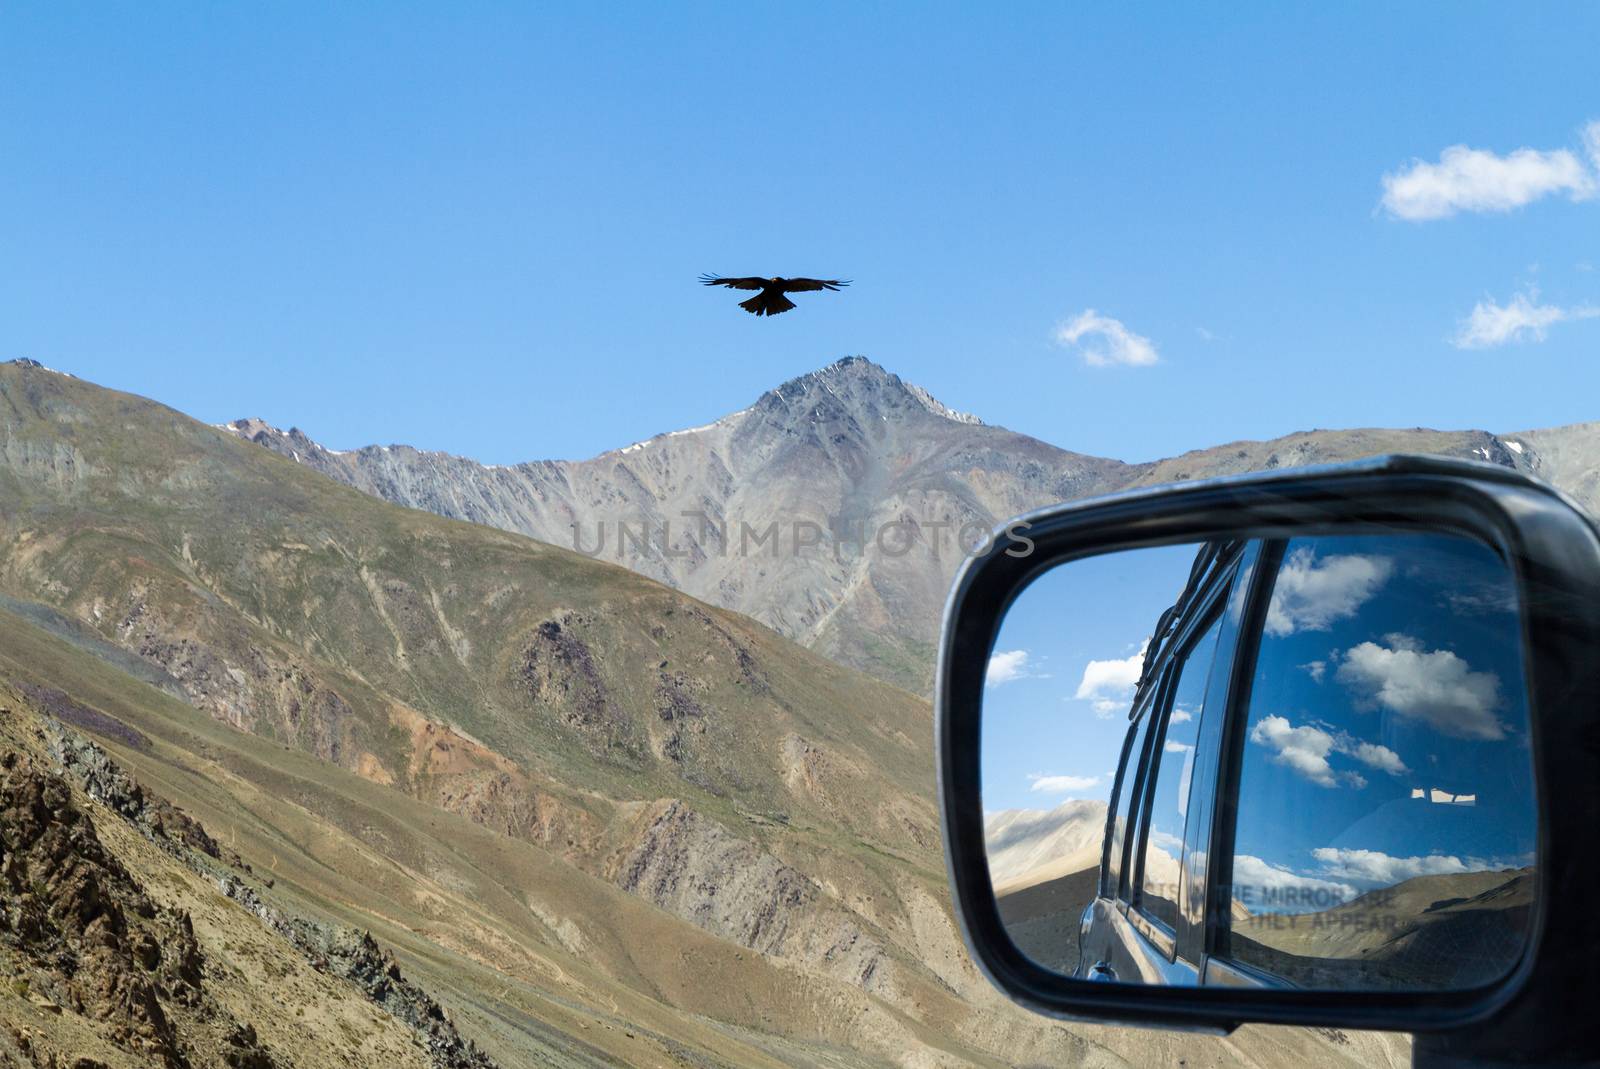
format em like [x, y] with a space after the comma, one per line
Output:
[1174, 764]
[1386, 826]
[1126, 800]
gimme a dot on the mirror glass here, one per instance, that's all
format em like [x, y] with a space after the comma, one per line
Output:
[1294, 762]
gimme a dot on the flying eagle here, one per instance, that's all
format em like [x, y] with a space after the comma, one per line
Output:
[771, 300]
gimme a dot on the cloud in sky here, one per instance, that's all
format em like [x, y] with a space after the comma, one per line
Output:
[1310, 593]
[1105, 342]
[1520, 320]
[1108, 685]
[1436, 687]
[1006, 666]
[1373, 755]
[1484, 595]
[1167, 841]
[1374, 866]
[1060, 784]
[1258, 883]
[1305, 749]
[1477, 180]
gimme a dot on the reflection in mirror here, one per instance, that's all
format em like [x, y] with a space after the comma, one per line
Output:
[1360, 696]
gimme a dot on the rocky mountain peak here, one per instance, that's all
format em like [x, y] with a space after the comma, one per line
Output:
[29, 364]
[251, 428]
[293, 441]
[855, 387]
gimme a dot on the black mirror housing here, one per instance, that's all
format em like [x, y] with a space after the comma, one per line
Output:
[1530, 1016]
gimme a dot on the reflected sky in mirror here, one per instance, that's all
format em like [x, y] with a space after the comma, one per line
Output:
[1387, 820]
[1387, 716]
[1061, 677]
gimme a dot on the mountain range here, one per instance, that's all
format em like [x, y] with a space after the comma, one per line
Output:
[1027, 846]
[587, 818]
[876, 490]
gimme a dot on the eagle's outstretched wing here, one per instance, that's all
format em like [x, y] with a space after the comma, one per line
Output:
[735, 283]
[803, 285]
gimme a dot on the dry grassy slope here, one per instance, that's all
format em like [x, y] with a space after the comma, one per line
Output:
[301, 610]
[542, 964]
[365, 634]
[470, 739]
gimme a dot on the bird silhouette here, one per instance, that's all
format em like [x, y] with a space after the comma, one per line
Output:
[771, 300]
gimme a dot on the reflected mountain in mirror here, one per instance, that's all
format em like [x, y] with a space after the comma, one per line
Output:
[1297, 762]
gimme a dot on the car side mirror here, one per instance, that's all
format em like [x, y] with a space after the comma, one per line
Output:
[1318, 747]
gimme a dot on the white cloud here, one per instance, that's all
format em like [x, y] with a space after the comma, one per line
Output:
[1436, 687]
[1488, 595]
[1167, 841]
[1261, 886]
[1477, 180]
[1111, 342]
[1108, 685]
[1374, 866]
[1106, 708]
[1061, 784]
[1180, 716]
[1375, 756]
[1316, 669]
[1310, 594]
[1112, 676]
[1491, 324]
[1006, 666]
[1305, 749]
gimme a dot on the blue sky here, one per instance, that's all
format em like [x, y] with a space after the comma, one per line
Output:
[476, 227]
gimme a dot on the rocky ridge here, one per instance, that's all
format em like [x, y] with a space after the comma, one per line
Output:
[84, 938]
[349, 955]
